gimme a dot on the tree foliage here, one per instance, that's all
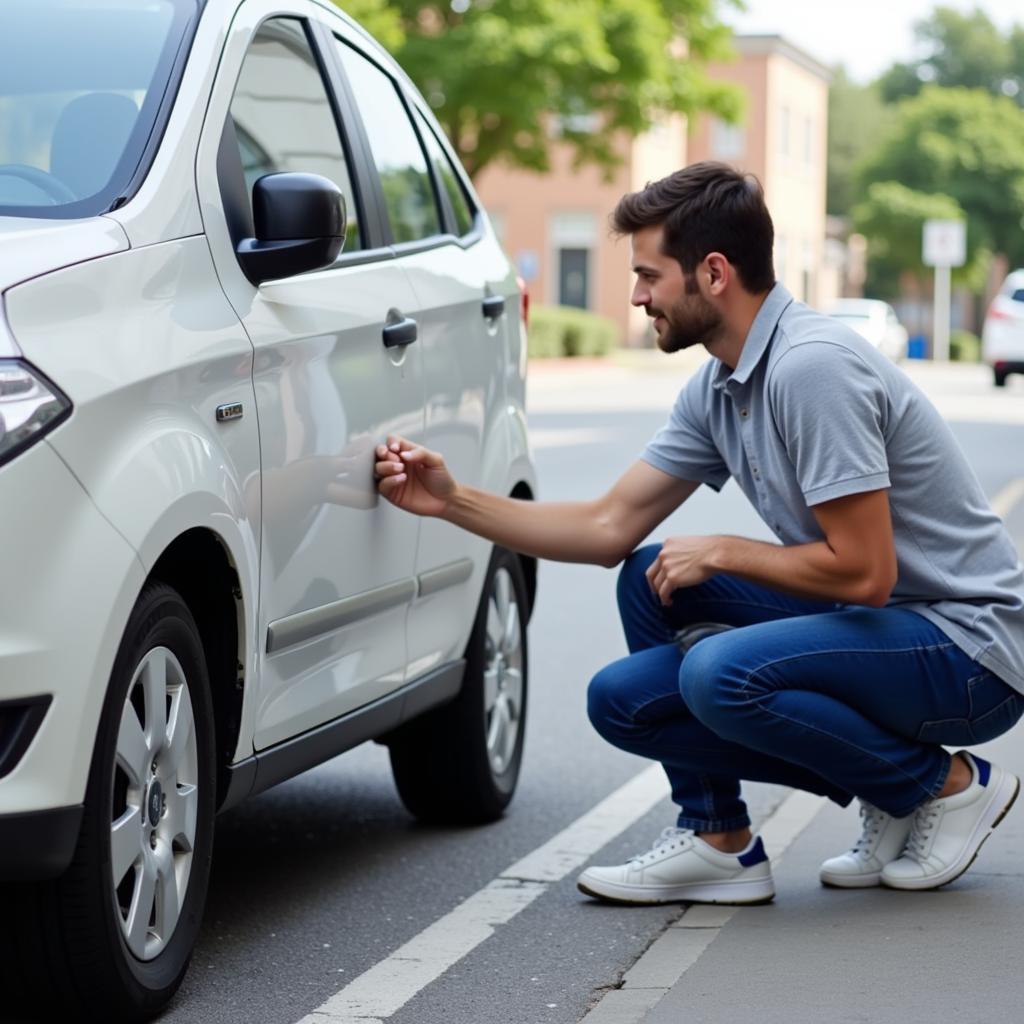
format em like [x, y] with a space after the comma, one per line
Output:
[505, 76]
[857, 119]
[964, 144]
[961, 49]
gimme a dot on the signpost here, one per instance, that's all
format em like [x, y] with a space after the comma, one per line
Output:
[944, 247]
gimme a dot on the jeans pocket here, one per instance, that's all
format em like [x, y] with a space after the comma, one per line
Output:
[951, 731]
[997, 721]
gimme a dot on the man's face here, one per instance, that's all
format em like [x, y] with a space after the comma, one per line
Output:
[682, 316]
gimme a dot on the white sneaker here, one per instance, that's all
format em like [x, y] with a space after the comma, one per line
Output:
[947, 833]
[682, 867]
[882, 839]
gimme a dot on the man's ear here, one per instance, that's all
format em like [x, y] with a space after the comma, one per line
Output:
[719, 271]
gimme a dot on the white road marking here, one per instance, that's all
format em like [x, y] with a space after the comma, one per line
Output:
[1004, 502]
[680, 947]
[387, 986]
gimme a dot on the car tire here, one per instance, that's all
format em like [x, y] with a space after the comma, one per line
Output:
[459, 764]
[112, 938]
[999, 377]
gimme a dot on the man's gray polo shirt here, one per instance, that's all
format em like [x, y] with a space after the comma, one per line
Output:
[813, 412]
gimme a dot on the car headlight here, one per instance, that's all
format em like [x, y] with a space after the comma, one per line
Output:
[30, 407]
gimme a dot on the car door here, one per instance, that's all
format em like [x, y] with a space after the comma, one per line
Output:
[460, 279]
[337, 563]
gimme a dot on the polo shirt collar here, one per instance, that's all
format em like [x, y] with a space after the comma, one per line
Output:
[758, 337]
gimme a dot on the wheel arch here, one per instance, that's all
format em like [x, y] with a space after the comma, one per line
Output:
[199, 566]
[523, 491]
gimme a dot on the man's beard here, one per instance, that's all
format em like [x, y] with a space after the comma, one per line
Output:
[691, 321]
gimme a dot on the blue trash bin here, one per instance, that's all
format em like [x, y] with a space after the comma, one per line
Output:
[917, 347]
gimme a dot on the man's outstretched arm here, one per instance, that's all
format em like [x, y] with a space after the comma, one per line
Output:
[603, 531]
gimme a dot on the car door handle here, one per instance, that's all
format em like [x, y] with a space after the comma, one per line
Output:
[494, 306]
[405, 332]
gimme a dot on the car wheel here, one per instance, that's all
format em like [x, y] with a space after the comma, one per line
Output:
[999, 376]
[116, 931]
[460, 763]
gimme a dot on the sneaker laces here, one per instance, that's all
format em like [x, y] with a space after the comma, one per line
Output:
[667, 835]
[926, 817]
[871, 825]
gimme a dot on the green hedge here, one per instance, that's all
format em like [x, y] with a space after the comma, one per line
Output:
[964, 347]
[564, 331]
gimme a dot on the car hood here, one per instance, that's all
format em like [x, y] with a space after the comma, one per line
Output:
[29, 248]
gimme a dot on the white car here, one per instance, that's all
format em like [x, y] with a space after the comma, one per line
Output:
[1002, 336]
[236, 252]
[876, 321]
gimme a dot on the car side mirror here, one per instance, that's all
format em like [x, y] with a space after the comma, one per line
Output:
[300, 222]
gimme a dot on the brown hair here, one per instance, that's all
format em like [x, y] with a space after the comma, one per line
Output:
[706, 207]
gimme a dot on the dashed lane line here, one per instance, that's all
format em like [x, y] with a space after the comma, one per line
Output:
[386, 987]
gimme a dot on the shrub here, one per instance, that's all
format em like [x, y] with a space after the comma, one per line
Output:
[964, 347]
[565, 331]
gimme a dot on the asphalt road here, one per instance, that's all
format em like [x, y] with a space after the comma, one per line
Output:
[319, 879]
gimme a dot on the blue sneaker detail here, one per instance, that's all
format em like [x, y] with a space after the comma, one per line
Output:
[984, 769]
[755, 855]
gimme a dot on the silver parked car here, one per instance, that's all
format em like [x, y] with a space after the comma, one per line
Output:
[236, 252]
[876, 321]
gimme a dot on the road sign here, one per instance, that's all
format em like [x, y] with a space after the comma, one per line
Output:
[945, 243]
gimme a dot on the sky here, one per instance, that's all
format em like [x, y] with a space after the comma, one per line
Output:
[865, 35]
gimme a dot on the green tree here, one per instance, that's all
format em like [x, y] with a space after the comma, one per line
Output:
[962, 144]
[960, 49]
[892, 218]
[501, 74]
[857, 118]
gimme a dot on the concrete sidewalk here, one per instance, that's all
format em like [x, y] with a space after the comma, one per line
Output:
[872, 955]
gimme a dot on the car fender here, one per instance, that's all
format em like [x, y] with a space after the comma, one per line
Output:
[153, 360]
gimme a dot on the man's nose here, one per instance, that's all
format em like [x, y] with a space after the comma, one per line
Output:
[640, 297]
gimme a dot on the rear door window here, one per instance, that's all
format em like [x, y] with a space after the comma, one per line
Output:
[404, 177]
[448, 177]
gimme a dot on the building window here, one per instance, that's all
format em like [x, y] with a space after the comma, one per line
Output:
[728, 141]
[573, 277]
[573, 238]
[807, 273]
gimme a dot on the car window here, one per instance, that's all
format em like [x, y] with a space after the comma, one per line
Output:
[283, 118]
[447, 176]
[405, 180]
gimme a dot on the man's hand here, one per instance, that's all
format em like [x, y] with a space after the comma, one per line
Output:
[413, 478]
[682, 562]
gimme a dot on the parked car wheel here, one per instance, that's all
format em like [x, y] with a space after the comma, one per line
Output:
[999, 377]
[460, 762]
[116, 931]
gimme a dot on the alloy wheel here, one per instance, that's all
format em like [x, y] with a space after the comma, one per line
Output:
[503, 672]
[154, 804]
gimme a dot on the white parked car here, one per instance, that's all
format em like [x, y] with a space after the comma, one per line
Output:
[1002, 336]
[876, 321]
[236, 252]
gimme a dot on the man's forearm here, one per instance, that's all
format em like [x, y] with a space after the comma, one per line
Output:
[563, 531]
[805, 570]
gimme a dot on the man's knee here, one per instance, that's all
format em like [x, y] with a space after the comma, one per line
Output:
[709, 681]
[633, 574]
[605, 707]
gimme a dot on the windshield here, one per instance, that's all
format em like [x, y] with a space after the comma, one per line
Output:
[81, 82]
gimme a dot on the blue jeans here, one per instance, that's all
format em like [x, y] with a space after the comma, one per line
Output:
[834, 699]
